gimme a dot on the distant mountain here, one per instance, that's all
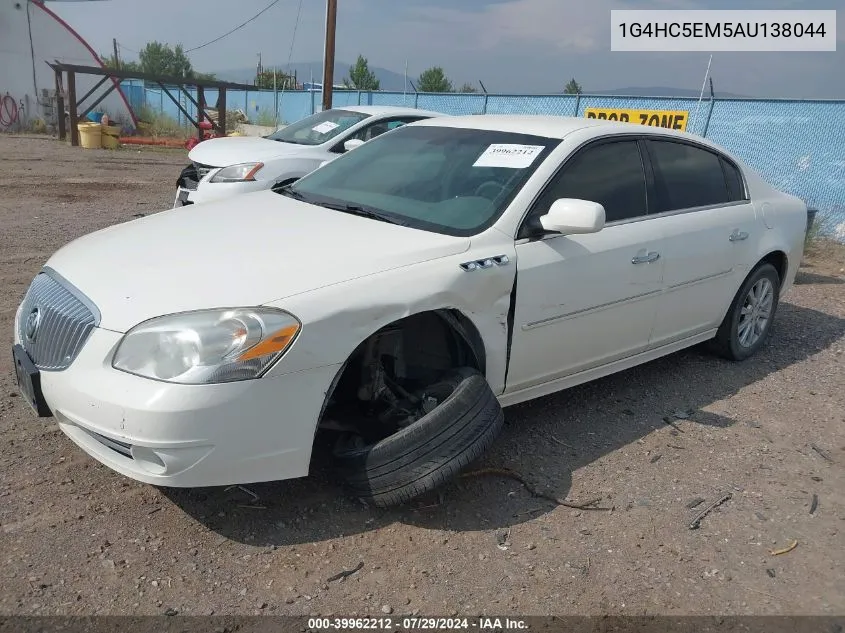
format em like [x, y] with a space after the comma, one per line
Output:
[395, 82]
[662, 91]
[304, 70]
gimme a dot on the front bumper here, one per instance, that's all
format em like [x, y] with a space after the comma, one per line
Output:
[187, 435]
[209, 191]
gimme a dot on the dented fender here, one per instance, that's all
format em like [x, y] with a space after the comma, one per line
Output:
[336, 319]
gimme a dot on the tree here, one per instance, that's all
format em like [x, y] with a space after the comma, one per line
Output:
[467, 87]
[110, 62]
[361, 77]
[434, 80]
[265, 80]
[160, 59]
[572, 88]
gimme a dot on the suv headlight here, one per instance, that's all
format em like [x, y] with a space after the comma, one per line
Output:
[208, 346]
[237, 173]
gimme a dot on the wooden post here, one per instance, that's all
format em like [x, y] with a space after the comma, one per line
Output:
[221, 110]
[71, 98]
[60, 107]
[201, 111]
[328, 66]
[116, 54]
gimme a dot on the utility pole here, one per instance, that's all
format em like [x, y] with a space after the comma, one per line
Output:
[116, 55]
[328, 62]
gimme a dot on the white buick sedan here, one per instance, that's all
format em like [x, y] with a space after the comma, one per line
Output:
[223, 167]
[396, 299]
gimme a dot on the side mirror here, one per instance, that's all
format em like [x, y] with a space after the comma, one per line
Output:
[572, 216]
[352, 144]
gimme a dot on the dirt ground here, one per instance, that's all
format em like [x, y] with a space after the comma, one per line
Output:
[78, 538]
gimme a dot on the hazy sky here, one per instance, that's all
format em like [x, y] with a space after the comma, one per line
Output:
[511, 45]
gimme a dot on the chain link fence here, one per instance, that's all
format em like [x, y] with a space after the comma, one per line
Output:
[797, 146]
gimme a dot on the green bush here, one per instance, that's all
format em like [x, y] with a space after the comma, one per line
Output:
[162, 124]
[821, 229]
[266, 118]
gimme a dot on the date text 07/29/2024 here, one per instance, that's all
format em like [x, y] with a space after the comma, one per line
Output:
[486, 624]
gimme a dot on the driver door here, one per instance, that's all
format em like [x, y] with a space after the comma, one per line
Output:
[583, 301]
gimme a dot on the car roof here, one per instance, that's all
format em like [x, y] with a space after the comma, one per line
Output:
[378, 110]
[557, 127]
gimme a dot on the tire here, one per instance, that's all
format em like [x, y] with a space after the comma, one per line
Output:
[432, 450]
[729, 341]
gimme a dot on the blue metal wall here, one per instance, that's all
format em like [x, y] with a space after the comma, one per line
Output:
[798, 146]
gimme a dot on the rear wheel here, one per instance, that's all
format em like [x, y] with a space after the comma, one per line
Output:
[460, 419]
[746, 326]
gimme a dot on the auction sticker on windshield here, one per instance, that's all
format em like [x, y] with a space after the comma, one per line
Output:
[325, 127]
[509, 155]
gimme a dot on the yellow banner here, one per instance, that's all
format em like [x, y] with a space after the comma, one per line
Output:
[672, 119]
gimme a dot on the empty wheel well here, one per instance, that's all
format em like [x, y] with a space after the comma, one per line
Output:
[394, 365]
[779, 261]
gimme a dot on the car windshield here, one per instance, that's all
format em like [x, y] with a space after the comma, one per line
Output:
[318, 128]
[448, 180]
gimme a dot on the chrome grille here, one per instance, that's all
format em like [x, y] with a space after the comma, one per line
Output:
[55, 322]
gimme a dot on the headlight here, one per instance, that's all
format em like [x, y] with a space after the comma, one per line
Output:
[237, 173]
[210, 346]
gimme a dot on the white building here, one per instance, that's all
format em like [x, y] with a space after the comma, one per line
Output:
[30, 36]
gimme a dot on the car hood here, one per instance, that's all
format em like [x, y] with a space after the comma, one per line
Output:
[233, 150]
[242, 251]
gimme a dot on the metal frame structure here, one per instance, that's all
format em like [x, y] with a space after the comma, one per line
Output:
[163, 81]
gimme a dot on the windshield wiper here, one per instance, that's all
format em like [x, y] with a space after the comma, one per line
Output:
[354, 209]
[364, 212]
[290, 193]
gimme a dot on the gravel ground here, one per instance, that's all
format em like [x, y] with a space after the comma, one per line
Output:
[78, 538]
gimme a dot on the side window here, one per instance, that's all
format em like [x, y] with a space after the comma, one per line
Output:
[392, 125]
[686, 176]
[380, 127]
[609, 173]
[736, 190]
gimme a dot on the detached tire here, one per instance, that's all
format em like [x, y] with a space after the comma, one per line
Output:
[746, 326]
[432, 450]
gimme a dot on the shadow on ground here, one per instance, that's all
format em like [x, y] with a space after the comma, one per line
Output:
[805, 278]
[544, 440]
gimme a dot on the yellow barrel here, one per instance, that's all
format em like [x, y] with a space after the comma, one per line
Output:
[90, 135]
[111, 133]
[109, 142]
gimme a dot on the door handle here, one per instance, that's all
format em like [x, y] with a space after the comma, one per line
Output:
[646, 258]
[738, 236]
